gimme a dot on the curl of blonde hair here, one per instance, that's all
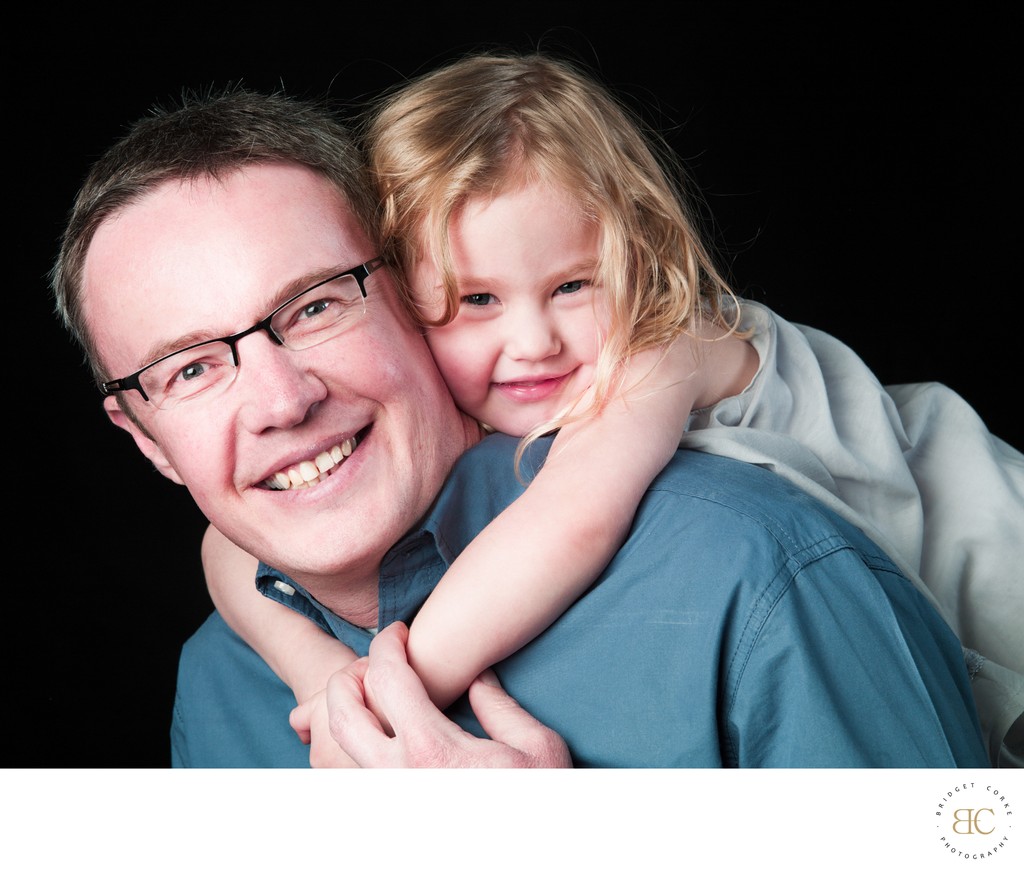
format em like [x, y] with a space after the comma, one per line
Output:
[488, 123]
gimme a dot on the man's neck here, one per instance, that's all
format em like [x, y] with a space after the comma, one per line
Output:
[354, 595]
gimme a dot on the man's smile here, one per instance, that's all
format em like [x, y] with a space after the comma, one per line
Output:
[309, 473]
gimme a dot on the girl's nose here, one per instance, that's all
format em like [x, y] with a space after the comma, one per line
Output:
[532, 336]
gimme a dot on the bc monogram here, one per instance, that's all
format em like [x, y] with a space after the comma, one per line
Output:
[967, 821]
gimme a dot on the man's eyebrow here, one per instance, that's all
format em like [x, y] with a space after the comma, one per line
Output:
[284, 293]
[296, 286]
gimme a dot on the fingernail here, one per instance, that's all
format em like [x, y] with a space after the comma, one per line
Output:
[489, 678]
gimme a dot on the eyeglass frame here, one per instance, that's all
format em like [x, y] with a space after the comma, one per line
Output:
[131, 382]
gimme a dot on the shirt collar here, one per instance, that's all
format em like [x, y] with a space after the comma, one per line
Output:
[470, 498]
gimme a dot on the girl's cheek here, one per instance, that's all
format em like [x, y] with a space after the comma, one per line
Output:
[440, 342]
[447, 356]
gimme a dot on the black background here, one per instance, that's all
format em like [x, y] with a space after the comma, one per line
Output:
[860, 165]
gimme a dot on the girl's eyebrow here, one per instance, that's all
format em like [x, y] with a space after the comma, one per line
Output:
[476, 284]
[561, 272]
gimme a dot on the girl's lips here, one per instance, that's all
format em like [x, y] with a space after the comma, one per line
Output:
[530, 391]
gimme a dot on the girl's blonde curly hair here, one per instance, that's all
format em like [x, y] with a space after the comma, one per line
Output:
[488, 123]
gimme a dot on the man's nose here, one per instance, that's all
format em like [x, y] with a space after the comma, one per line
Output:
[531, 335]
[278, 390]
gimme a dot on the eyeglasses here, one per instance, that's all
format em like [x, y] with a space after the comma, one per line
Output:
[206, 369]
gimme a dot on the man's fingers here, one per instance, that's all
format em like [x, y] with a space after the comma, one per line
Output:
[401, 700]
[506, 722]
[423, 735]
[397, 692]
[357, 731]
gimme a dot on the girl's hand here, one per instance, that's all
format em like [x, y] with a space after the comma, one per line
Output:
[309, 720]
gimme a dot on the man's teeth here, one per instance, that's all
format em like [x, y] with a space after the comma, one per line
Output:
[309, 473]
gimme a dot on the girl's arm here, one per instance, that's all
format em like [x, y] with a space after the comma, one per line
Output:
[299, 652]
[539, 555]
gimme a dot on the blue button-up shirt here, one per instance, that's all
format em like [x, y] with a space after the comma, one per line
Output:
[741, 624]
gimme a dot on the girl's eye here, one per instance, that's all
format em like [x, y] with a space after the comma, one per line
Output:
[570, 287]
[478, 299]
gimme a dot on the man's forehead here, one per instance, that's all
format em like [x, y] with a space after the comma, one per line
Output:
[211, 254]
[225, 220]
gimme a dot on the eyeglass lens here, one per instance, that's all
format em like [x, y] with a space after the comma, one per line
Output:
[318, 314]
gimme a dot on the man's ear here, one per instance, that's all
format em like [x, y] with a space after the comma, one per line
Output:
[150, 449]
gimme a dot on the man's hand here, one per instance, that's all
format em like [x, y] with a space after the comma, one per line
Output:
[423, 736]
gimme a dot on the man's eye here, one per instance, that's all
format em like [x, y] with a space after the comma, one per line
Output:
[313, 309]
[197, 371]
[571, 287]
[478, 299]
[193, 377]
[191, 372]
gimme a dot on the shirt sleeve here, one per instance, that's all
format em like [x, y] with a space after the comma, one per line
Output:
[843, 664]
[231, 710]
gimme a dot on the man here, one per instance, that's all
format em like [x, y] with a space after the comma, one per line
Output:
[741, 623]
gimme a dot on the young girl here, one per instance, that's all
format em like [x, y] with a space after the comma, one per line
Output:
[562, 287]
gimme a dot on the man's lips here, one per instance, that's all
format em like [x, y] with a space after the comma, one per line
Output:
[311, 472]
